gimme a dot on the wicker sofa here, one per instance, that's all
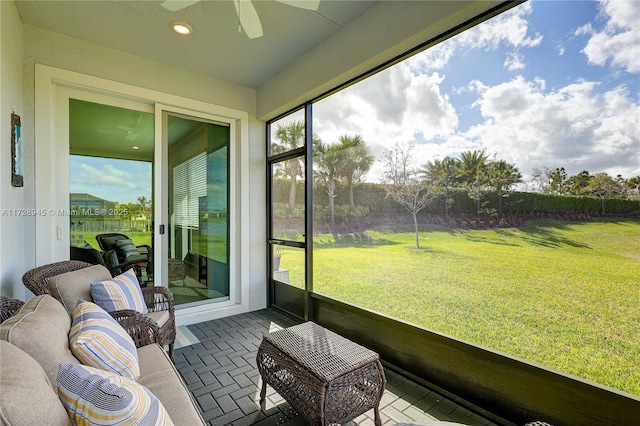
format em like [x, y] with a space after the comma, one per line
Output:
[35, 342]
[69, 280]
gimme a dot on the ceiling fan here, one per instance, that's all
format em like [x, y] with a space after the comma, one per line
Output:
[129, 132]
[247, 14]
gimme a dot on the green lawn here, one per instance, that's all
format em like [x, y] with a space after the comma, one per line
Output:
[139, 238]
[565, 295]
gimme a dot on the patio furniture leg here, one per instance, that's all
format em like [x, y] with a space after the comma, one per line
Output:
[263, 391]
[171, 347]
[377, 421]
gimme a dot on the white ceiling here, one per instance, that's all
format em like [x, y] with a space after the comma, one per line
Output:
[216, 48]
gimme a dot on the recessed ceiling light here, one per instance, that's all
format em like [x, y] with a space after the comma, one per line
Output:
[181, 28]
[135, 147]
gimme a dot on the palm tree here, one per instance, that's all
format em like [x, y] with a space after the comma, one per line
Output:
[290, 136]
[502, 176]
[577, 184]
[473, 166]
[145, 209]
[443, 175]
[327, 160]
[633, 186]
[356, 160]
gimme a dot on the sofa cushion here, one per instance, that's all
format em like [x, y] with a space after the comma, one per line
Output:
[99, 341]
[121, 292]
[92, 396]
[41, 329]
[71, 286]
[26, 394]
[158, 374]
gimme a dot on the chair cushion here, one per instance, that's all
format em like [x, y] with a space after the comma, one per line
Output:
[121, 292]
[130, 250]
[27, 396]
[110, 242]
[92, 396]
[41, 329]
[72, 286]
[160, 317]
[99, 341]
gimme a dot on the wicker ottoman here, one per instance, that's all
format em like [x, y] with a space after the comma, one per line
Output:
[323, 376]
[177, 270]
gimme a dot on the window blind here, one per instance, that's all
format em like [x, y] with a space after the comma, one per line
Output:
[189, 184]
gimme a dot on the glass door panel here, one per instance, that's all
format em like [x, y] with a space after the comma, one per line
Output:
[287, 206]
[198, 204]
[111, 152]
[287, 225]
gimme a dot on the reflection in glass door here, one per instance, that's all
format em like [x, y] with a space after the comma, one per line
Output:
[110, 184]
[198, 195]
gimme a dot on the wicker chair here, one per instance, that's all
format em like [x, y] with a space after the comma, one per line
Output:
[108, 259]
[142, 328]
[8, 307]
[144, 259]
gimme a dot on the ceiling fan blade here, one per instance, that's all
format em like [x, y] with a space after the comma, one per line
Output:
[174, 5]
[302, 4]
[248, 18]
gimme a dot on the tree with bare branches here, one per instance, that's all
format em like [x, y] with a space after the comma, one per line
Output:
[403, 183]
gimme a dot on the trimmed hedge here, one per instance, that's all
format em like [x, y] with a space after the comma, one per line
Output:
[372, 197]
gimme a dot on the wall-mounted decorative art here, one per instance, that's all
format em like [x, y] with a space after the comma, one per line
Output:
[16, 152]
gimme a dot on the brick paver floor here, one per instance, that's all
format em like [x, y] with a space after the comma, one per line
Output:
[221, 373]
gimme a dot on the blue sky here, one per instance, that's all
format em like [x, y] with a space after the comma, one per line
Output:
[110, 179]
[126, 180]
[545, 84]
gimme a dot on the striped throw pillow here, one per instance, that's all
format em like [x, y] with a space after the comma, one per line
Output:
[121, 292]
[98, 340]
[95, 397]
[130, 250]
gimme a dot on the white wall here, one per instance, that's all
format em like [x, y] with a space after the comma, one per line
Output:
[12, 247]
[52, 49]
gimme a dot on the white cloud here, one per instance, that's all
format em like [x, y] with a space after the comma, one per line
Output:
[619, 41]
[108, 175]
[514, 61]
[622, 14]
[108, 181]
[435, 58]
[509, 29]
[392, 106]
[574, 127]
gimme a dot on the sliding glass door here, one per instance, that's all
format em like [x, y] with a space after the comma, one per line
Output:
[159, 176]
[198, 226]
